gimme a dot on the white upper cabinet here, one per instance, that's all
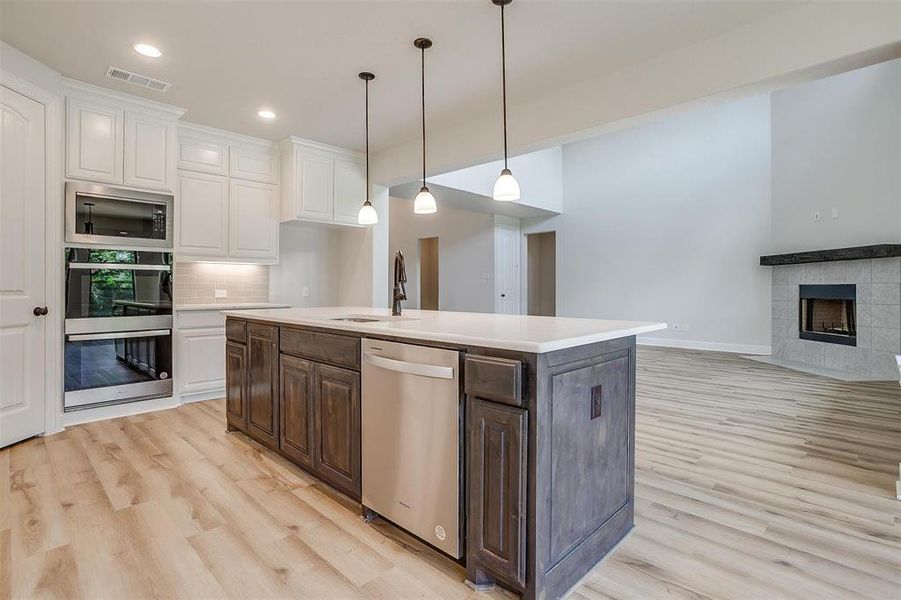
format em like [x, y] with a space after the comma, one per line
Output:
[94, 140]
[118, 138]
[149, 151]
[201, 222]
[227, 209]
[202, 153]
[350, 190]
[316, 179]
[253, 220]
[255, 163]
[321, 183]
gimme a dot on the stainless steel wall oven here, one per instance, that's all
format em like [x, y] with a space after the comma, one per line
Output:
[118, 343]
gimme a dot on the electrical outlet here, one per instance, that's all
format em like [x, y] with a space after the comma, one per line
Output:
[834, 213]
[816, 215]
[674, 326]
[221, 293]
[305, 291]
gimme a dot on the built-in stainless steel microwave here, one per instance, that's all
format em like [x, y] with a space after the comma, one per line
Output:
[118, 218]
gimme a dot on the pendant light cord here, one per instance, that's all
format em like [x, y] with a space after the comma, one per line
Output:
[423, 115]
[368, 187]
[504, 82]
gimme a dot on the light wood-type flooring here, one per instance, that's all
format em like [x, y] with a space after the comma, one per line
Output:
[752, 482]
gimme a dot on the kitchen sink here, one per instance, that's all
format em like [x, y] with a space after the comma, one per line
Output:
[355, 319]
[369, 318]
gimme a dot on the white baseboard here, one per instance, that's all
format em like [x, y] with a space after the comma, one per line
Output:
[101, 413]
[187, 398]
[699, 345]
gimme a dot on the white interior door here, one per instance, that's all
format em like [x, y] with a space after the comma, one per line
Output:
[22, 267]
[506, 267]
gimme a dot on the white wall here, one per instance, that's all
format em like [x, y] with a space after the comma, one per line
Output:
[667, 221]
[307, 258]
[465, 254]
[540, 177]
[837, 145]
[806, 41]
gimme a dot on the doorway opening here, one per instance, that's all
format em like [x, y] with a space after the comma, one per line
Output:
[428, 273]
[542, 276]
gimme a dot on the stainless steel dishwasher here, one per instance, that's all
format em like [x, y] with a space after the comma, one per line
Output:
[411, 439]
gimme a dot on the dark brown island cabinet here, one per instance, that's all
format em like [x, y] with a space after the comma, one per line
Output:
[548, 468]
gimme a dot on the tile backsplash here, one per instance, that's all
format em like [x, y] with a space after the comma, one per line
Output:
[197, 282]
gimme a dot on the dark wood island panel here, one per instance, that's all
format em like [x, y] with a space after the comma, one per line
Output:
[548, 475]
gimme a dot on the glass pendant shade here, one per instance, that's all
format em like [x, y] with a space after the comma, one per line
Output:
[506, 188]
[424, 204]
[367, 214]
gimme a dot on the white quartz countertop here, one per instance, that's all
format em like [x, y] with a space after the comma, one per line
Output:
[231, 306]
[509, 332]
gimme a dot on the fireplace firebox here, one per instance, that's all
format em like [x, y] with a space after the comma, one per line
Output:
[828, 313]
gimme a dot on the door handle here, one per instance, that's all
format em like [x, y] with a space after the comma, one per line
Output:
[119, 335]
[411, 368]
[39, 311]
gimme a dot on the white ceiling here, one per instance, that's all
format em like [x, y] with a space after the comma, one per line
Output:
[227, 59]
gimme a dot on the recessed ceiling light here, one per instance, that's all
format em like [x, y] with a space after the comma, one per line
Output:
[148, 50]
[266, 114]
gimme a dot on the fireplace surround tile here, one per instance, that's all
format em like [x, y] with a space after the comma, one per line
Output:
[885, 293]
[878, 291]
[886, 270]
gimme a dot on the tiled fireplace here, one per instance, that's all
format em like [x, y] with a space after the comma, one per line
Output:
[840, 315]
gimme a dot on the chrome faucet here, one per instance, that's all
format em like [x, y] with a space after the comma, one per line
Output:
[400, 278]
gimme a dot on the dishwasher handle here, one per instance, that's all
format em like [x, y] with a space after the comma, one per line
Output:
[411, 368]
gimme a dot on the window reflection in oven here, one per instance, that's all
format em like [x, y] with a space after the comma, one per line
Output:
[117, 283]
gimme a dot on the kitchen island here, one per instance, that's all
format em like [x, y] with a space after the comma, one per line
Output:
[548, 412]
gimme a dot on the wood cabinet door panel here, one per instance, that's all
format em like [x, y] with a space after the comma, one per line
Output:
[262, 358]
[497, 489]
[337, 414]
[296, 410]
[589, 426]
[236, 385]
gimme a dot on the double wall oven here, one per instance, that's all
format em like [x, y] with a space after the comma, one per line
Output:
[118, 292]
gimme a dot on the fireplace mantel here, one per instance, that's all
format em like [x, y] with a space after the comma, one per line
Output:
[856, 253]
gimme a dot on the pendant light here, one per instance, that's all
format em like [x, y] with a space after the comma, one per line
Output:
[424, 203]
[367, 214]
[506, 188]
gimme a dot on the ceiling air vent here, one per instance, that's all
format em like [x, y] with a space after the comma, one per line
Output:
[137, 79]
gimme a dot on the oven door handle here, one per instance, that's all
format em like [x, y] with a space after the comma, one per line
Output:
[86, 337]
[119, 267]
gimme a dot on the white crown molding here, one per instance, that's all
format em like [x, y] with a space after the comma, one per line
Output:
[291, 141]
[224, 135]
[701, 345]
[73, 87]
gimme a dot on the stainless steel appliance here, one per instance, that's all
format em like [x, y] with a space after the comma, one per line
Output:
[117, 217]
[411, 439]
[118, 328]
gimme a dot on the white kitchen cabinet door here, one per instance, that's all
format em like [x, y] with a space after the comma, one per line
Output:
[316, 180]
[201, 360]
[350, 190]
[253, 221]
[149, 151]
[208, 155]
[253, 163]
[201, 215]
[95, 135]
